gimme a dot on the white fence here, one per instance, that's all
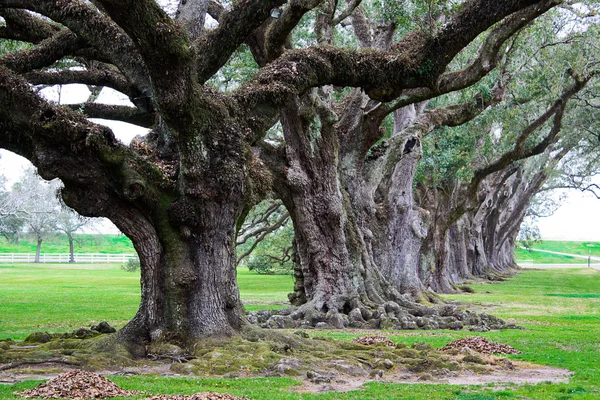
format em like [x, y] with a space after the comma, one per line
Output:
[64, 258]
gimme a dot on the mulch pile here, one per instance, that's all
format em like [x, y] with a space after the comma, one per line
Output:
[77, 385]
[373, 340]
[480, 345]
[200, 396]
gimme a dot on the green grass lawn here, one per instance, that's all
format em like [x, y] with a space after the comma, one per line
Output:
[64, 297]
[579, 248]
[559, 309]
[58, 243]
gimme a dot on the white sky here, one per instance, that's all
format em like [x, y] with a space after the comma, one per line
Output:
[12, 165]
[577, 218]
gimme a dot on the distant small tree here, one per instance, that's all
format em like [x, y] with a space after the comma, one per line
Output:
[69, 222]
[39, 206]
[11, 213]
[529, 234]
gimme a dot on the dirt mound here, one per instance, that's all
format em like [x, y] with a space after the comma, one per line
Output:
[77, 385]
[200, 396]
[480, 345]
[373, 340]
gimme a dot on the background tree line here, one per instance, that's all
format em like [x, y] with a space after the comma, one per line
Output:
[33, 206]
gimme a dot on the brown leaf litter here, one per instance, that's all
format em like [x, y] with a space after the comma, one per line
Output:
[82, 385]
[480, 345]
[373, 340]
[77, 385]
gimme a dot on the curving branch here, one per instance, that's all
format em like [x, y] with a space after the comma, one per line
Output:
[235, 26]
[44, 54]
[520, 151]
[115, 113]
[278, 30]
[352, 5]
[260, 227]
[95, 77]
[24, 26]
[89, 24]
[486, 61]
[427, 122]
[215, 9]
[414, 62]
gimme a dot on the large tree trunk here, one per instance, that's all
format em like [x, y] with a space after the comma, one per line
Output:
[189, 288]
[400, 225]
[335, 271]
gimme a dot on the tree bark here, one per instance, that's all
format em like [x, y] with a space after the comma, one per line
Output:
[330, 250]
[38, 249]
[71, 248]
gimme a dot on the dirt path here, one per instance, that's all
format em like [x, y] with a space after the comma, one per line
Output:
[515, 373]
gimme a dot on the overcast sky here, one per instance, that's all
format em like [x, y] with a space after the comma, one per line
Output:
[577, 219]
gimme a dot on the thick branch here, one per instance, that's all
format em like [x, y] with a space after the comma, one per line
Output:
[235, 27]
[192, 14]
[116, 113]
[486, 61]
[430, 120]
[43, 55]
[520, 151]
[352, 4]
[95, 77]
[24, 26]
[279, 29]
[416, 62]
[98, 31]
[215, 9]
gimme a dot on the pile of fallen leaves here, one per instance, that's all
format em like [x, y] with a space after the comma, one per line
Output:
[199, 396]
[480, 345]
[373, 340]
[77, 385]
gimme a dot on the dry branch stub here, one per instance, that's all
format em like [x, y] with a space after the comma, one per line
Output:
[77, 385]
[480, 345]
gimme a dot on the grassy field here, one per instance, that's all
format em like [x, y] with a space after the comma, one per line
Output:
[64, 297]
[559, 309]
[579, 248]
[58, 243]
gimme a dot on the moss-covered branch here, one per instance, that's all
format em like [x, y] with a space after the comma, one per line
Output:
[96, 77]
[115, 113]
[98, 31]
[520, 149]
[486, 61]
[235, 26]
[26, 27]
[44, 54]
[415, 62]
